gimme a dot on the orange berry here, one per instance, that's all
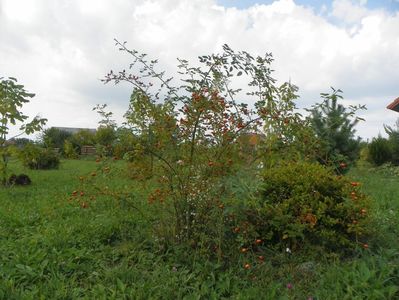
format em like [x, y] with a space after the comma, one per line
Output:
[211, 163]
[261, 257]
[343, 165]
[74, 193]
[355, 183]
[244, 250]
[247, 266]
[363, 211]
[365, 246]
[236, 229]
[258, 241]
[82, 194]
[221, 206]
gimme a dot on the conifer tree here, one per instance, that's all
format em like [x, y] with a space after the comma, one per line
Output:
[334, 124]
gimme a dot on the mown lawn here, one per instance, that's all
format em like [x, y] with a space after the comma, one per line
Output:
[52, 248]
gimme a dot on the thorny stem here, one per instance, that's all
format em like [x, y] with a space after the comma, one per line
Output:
[154, 74]
[193, 137]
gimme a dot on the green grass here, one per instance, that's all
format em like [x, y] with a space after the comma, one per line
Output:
[52, 248]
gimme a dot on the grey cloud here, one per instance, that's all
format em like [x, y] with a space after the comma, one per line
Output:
[62, 49]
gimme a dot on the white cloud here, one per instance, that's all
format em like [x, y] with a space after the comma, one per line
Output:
[20, 12]
[348, 11]
[59, 49]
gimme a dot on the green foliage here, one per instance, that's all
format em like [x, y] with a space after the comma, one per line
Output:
[316, 210]
[362, 279]
[125, 143]
[55, 138]
[37, 158]
[106, 134]
[106, 137]
[12, 97]
[380, 151]
[335, 124]
[191, 139]
[70, 151]
[387, 169]
[106, 116]
[393, 137]
[82, 138]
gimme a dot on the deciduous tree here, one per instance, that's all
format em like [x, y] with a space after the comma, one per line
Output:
[12, 97]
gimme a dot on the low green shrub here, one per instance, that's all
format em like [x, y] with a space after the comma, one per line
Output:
[35, 157]
[387, 169]
[306, 206]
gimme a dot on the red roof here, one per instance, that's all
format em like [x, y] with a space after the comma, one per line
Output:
[394, 105]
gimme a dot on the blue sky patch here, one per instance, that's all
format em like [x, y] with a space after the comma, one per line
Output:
[389, 5]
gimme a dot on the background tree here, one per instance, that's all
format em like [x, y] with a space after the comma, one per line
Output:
[380, 151]
[106, 133]
[334, 125]
[12, 97]
[21, 142]
[55, 138]
[81, 138]
[393, 140]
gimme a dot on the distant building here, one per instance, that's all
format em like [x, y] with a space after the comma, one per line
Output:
[75, 130]
[394, 105]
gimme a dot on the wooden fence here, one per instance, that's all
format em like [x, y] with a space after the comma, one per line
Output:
[88, 150]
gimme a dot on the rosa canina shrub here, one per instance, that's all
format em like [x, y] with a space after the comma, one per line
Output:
[305, 205]
[190, 136]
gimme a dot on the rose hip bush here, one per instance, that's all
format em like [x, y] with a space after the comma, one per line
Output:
[193, 133]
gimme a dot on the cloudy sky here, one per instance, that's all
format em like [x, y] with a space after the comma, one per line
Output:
[60, 49]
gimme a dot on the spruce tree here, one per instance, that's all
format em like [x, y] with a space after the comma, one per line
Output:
[334, 124]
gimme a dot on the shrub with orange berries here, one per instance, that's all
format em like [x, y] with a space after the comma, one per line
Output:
[315, 208]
